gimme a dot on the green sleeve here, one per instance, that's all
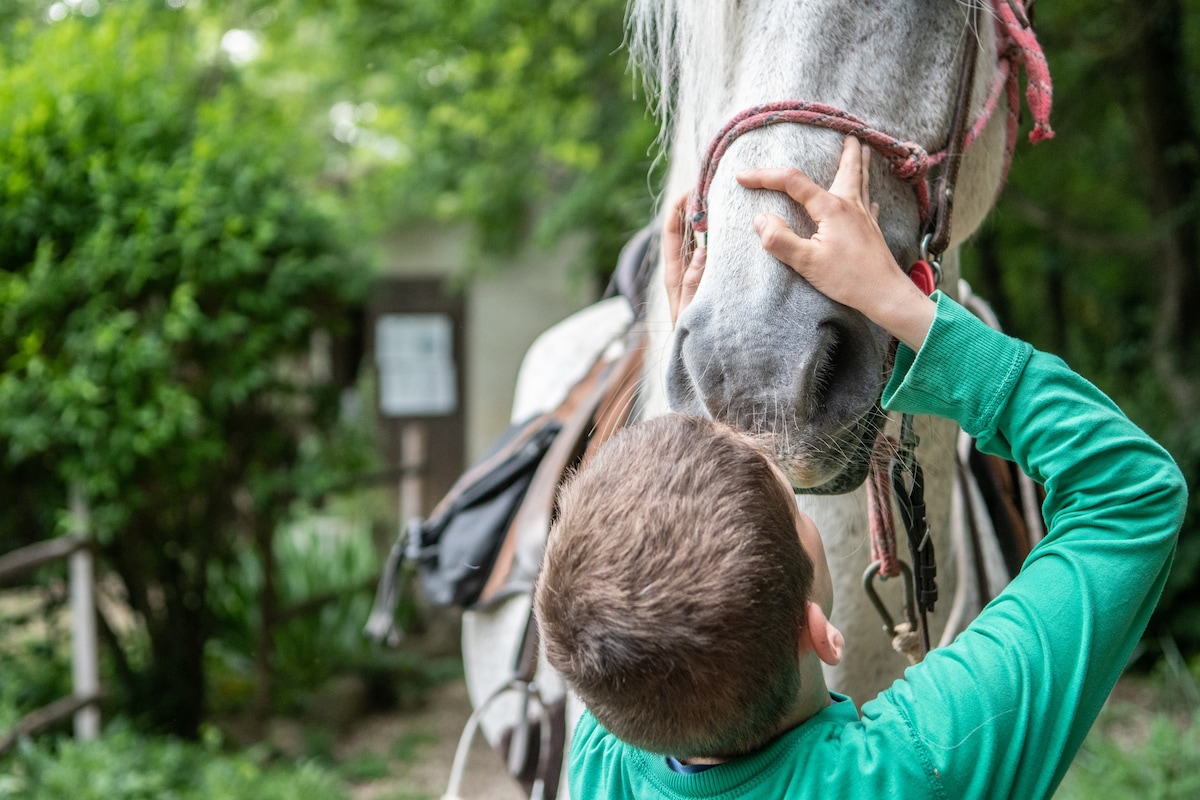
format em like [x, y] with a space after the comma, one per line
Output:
[1002, 711]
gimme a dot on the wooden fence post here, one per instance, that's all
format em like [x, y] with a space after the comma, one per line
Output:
[84, 655]
[412, 467]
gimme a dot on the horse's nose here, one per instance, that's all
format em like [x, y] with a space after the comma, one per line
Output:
[824, 375]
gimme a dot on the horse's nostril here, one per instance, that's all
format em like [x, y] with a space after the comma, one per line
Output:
[729, 372]
[835, 383]
[826, 368]
[680, 385]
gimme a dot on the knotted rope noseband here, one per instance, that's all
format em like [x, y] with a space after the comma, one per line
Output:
[909, 160]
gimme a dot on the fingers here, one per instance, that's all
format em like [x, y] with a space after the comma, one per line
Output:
[681, 279]
[795, 183]
[781, 241]
[674, 229]
[682, 289]
[848, 181]
[852, 179]
[842, 214]
[690, 281]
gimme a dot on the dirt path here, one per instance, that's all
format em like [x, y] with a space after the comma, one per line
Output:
[419, 749]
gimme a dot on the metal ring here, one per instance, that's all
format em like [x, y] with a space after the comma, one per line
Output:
[934, 261]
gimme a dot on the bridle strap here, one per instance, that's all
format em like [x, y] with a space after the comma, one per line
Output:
[909, 160]
[881, 525]
[942, 200]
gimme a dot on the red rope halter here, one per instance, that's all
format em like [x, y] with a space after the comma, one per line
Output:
[908, 159]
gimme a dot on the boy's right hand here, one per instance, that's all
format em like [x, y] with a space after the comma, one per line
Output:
[846, 259]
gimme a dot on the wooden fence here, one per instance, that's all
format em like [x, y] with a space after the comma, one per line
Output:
[83, 703]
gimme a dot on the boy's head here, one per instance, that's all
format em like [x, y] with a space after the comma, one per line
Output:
[675, 587]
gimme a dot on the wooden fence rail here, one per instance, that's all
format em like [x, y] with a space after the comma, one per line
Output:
[83, 703]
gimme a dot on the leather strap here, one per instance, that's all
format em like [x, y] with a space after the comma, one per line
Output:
[942, 199]
[471, 476]
[603, 386]
[617, 406]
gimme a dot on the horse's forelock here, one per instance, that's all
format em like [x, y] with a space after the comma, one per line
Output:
[673, 42]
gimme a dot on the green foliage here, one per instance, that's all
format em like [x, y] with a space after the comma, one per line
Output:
[408, 746]
[37, 670]
[123, 765]
[365, 767]
[1160, 767]
[1073, 228]
[157, 261]
[163, 271]
[487, 112]
[515, 105]
[318, 557]
[1076, 256]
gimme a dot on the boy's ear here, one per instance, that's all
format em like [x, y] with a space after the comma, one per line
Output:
[820, 636]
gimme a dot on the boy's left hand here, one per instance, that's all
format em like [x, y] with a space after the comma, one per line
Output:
[682, 281]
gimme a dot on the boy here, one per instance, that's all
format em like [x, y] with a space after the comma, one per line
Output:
[683, 595]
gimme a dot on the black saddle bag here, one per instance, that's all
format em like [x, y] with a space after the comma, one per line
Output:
[454, 549]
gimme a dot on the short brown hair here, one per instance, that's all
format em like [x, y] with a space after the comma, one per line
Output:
[674, 587]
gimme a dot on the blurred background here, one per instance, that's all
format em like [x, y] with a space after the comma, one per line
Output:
[245, 245]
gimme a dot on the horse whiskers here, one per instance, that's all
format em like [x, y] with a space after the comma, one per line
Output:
[628, 394]
[985, 9]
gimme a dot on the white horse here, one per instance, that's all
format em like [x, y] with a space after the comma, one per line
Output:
[758, 347]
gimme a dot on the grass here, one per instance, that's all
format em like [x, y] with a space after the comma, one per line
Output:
[1145, 744]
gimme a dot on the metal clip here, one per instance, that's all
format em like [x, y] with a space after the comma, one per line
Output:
[909, 609]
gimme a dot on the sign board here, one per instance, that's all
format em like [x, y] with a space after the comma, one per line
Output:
[415, 357]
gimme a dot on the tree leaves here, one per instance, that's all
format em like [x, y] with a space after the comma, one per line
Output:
[165, 261]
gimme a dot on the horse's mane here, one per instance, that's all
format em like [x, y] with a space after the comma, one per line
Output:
[669, 41]
[678, 46]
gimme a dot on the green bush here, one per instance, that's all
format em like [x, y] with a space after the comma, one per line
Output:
[166, 262]
[329, 558]
[123, 765]
[37, 671]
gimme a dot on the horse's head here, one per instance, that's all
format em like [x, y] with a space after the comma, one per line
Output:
[759, 347]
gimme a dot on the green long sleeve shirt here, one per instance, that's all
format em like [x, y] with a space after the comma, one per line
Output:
[1001, 712]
